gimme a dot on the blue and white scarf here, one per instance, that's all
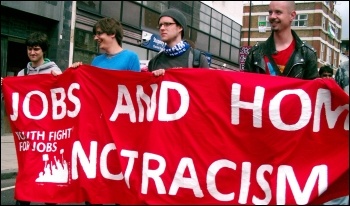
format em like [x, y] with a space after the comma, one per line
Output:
[177, 50]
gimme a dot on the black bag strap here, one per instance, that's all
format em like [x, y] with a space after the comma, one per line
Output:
[194, 58]
[26, 71]
[274, 66]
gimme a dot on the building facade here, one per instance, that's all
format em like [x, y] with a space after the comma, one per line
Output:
[317, 23]
[69, 27]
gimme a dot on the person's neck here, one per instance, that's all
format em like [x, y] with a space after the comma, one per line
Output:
[114, 49]
[174, 42]
[37, 63]
[283, 39]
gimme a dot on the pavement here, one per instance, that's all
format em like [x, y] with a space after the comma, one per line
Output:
[9, 164]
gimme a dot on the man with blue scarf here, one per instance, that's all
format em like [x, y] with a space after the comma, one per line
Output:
[177, 52]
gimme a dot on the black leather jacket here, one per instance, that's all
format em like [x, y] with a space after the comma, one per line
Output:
[302, 64]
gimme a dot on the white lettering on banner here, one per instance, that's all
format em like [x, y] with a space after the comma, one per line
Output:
[37, 140]
[60, 134]
[56, 103]
[150, 102]
[163, 115]
[256, 106]
[264, 185]
[285, 175]
[323, 97]
[183, 182]
[148, 173]
[275, 114]
[31, 135]
[89, 167]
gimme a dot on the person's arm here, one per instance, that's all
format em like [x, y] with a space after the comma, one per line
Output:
[339, 77]
[203, 62]
[248, 67]
[311, 71]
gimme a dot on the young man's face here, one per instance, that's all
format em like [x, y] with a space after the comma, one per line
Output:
[327, 75]
[103, 39]
[35, 53]
[169, 32]
[280, 15]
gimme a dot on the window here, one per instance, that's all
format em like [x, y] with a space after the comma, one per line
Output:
[132, 17]
[214, 46]
[201, 40]
[234, 54]
[93, 6]
[150, 20]
[322, 52]
[225, 50]
[329, 55]
[215, 28]
[226, 29]
[324, 22]
[335, 59]
[85, 48]
[111, 9]
[264, 21]
[300, 20]
[159, 6]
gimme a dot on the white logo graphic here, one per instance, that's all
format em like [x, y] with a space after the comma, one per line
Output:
[56, 173]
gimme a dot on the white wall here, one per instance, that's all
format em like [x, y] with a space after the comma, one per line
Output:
[233, 10]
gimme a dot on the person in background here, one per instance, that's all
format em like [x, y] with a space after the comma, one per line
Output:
[283, 53]
[342, 78]
[176, 54]
[326, 71]
[108, 33]
[37, 45]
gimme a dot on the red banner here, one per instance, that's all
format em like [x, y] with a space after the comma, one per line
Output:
[192, 136]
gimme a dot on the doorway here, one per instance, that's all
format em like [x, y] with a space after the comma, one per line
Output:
[17, 58]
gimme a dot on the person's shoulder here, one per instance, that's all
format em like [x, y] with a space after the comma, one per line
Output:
[308, 46]
[21, 72]
[344, 65]
[131, 52]
[257, 46]
[99, 56]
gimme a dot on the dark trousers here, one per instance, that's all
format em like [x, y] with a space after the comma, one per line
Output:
[20, 202]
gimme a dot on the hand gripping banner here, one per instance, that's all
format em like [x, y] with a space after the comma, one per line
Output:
[192, 136]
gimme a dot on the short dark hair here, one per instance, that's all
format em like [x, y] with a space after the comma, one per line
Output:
[325, 68]
[110, 26]
[38, 39]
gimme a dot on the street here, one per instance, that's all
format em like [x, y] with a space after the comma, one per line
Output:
[7, 193]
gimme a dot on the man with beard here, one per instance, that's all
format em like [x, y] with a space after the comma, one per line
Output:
[283, 53]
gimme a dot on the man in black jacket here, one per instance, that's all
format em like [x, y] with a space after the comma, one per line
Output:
[177, 52]
[283, 53]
